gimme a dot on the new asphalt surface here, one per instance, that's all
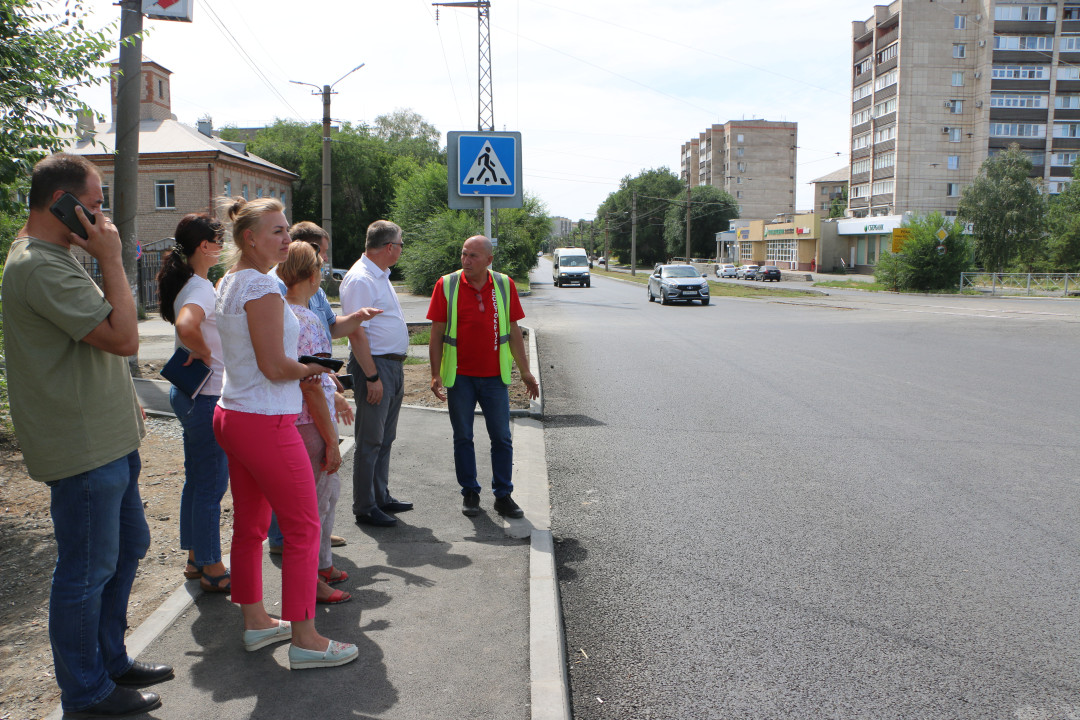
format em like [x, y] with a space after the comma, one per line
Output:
[454, 617]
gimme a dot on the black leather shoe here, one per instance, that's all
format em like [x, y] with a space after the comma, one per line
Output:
[470, 504]
[141, 674]
[121, 701]
[396, 506]
[376, 517]
[506, 507]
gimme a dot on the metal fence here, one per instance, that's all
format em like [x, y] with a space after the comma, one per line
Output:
[1045, 284]
[146, 272]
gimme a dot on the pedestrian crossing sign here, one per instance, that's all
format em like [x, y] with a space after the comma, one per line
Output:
[487, 166]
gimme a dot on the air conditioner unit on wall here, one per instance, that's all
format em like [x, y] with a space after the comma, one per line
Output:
[982, 43]
[946, 129]
[978, 103]
[948, 103]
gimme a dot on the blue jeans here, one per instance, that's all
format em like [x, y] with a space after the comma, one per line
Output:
[101, 534]
[494, 399]
[206, 477]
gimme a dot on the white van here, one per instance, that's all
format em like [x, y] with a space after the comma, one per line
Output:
[571, 266]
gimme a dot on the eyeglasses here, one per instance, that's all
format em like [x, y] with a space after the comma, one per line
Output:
[399, 244]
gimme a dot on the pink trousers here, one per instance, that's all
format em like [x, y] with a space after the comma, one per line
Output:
[269, 469]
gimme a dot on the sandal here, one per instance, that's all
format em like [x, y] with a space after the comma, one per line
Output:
[192, 571]
[330, 579]
[212, 584]
[338, 596]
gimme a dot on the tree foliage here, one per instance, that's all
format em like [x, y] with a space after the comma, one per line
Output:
[926, 262]
[1007, 211]
[655, 190]
[711, 208]
[1063, 244]
[46, 57]
[405, 132]
[839, 204]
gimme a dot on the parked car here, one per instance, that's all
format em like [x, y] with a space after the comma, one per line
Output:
[726, 270]
[767, 272]
[746, 272]
[338, 273]
[680, 283]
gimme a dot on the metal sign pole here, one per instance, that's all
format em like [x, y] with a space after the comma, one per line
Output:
[487, 216]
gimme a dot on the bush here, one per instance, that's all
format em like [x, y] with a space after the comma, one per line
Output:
[926, 263]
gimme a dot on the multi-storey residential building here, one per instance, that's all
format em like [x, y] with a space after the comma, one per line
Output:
[939, 86]
[827, 189]
[753, 160]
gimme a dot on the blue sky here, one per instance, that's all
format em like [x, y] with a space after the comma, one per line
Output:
[599, 90]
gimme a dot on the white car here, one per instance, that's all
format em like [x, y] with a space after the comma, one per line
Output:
[726, 270]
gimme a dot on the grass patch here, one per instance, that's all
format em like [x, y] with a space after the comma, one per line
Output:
[852, 285]
[416, 361]
[420, 337]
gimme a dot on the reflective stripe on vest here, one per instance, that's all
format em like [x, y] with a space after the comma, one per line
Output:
[451, 284]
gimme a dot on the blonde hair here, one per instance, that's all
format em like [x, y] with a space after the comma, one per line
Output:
[300, 265]
[244, 215]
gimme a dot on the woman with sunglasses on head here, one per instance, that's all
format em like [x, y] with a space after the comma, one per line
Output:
[187, 301]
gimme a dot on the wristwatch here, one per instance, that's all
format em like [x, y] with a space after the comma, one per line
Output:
[373, 378]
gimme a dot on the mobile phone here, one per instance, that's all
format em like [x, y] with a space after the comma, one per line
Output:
[331, 363]
[345, 380]
[64, 210]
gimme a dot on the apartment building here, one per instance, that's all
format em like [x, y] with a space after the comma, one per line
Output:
[828, 188]
[939, 85]
[753, 160]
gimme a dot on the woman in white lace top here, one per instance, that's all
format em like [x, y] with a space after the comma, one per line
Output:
[255, 424]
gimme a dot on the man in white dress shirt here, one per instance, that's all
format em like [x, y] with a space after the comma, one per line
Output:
[379, 347]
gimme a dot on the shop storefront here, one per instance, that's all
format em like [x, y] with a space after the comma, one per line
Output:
[864, 240]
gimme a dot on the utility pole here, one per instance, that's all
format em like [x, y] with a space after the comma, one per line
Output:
[633, 236]
[126, 165]
[687, 220]
[327, 188]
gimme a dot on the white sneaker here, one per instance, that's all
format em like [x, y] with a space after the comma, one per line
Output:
[336, 653]
[255, 639]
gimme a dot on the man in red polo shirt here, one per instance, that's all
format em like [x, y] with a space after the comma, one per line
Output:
[474, 317]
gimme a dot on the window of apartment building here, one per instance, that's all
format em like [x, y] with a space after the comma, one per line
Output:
[884, 134]
[958, 78]
[824, 189]
[959, 50]
[888, 53]
[860, 141]
[1024, 42]
[1022, 72]
[273, 193]
[956, 106]
[1068, 72]
[1067, 102]
[1064, 129]
[860, 117]
[741, 166]
[1025, 12]
[883, 187]
[885, 160]
[228, 188]
[953, 162]
[955, 134]
[258, 191]
[106, 204]
[884, 108]
[1056, 187]
[1063, 159]
[952, 189]
[861, 165]
[884, 81]
[862, 91]
[282, 198]
[244, 191]
[1069, 43]
[739, 152]
[1020, 130]
[1017, 100]
[738, 194]
[738, 180]
[950, 213]
[165, 194]
[862, 66]
[860, 191]
[959, 22]
[739, 138]
[1071, 12]
[160, 88]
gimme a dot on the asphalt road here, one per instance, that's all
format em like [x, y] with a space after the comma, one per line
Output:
[852, 506]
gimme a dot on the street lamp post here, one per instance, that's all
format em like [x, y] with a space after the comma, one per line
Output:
[326, 91]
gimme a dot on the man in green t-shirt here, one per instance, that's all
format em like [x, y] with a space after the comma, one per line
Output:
[79, 425]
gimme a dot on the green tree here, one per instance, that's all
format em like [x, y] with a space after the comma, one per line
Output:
[710, 211]
[1006, 209]
[926, 262]
[655, 189]
[1063, 243]
[839, 204]
[405, 132]
[46, 57]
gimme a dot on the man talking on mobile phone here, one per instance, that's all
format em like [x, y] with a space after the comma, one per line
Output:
[79, 426]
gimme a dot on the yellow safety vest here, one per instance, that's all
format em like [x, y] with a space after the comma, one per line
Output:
[451, 283]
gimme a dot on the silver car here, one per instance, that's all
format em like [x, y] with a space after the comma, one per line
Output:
[678, 283]
[746, 272]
